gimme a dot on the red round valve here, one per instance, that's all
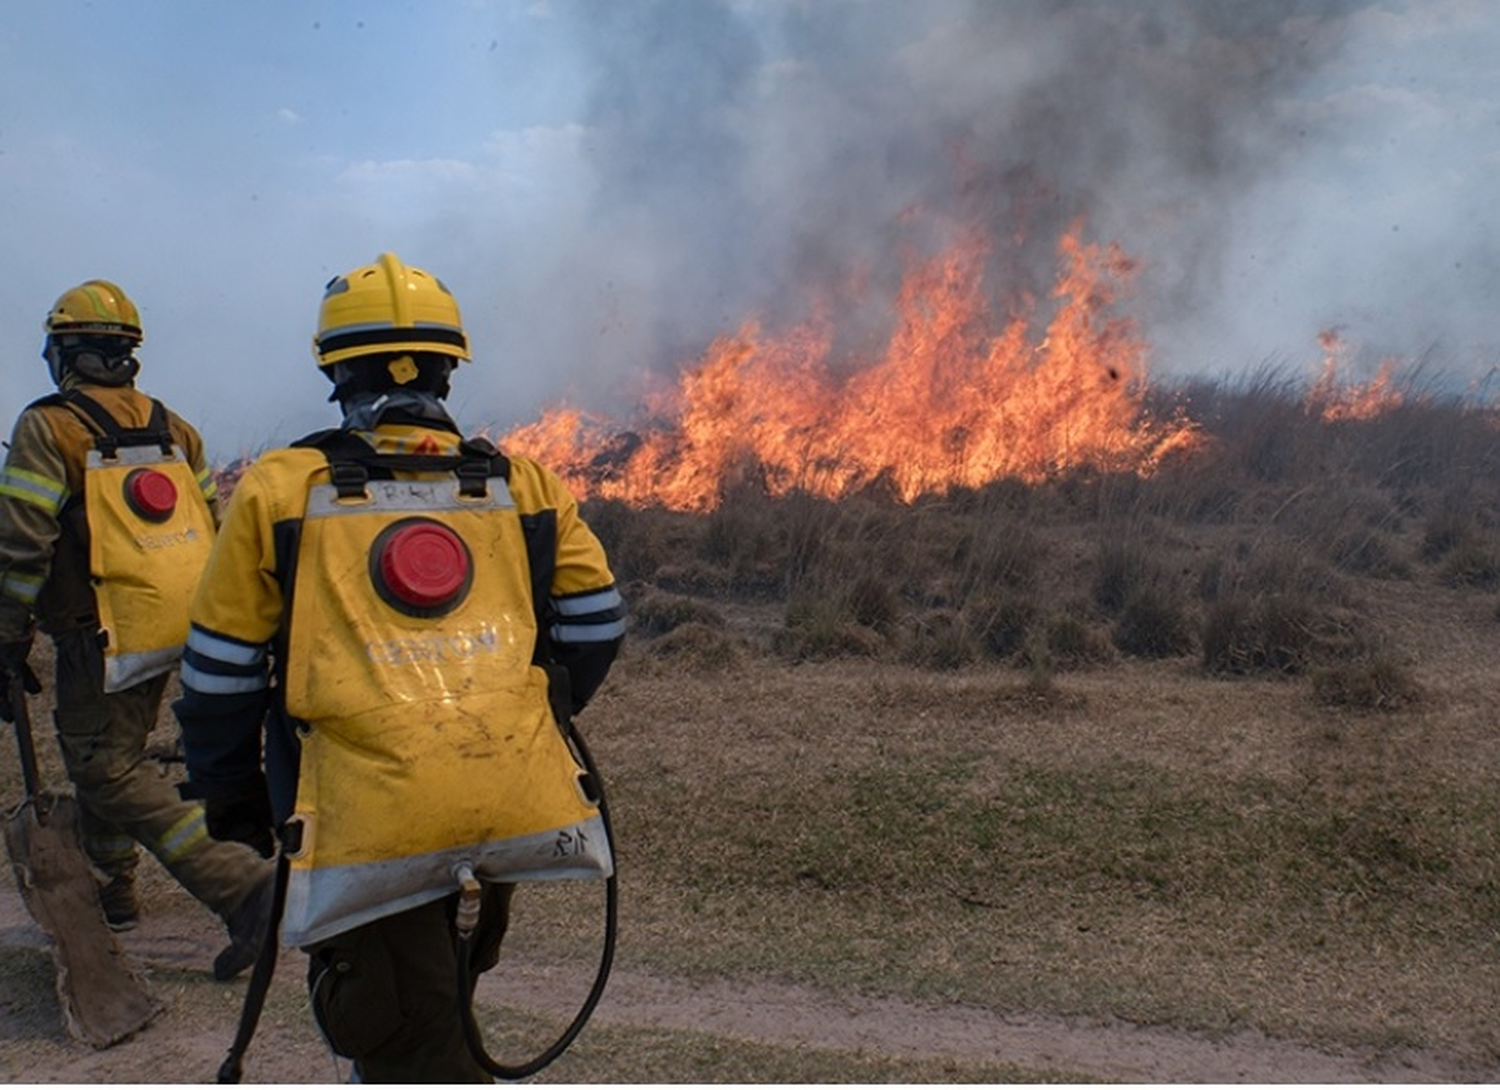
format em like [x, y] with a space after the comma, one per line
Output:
[423, 564]
[151, 495]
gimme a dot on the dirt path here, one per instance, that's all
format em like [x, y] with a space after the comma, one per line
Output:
[190, 1039]
[799, 1017]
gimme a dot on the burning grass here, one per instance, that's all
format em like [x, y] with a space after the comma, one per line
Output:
[1210, 748]
[957, 397]
[1251, 564]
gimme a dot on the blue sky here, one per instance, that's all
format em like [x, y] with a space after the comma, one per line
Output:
[607, 186]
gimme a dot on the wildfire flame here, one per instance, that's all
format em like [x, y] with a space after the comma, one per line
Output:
[952, 400]
[1333, 399]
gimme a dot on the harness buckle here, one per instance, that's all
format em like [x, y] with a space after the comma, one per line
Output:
[349, 480]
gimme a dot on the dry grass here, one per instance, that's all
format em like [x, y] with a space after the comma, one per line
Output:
[1214, 750]
[1139, 843]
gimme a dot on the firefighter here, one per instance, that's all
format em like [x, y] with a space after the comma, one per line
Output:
[392, 621]
[107, 510]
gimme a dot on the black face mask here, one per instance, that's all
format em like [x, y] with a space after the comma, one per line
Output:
[97, 358]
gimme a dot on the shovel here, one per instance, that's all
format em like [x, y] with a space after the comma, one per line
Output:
[103, 999]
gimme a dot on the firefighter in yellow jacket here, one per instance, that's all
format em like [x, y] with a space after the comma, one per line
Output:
[107, 513]
[392, 625]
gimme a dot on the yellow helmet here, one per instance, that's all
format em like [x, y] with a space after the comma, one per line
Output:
[387, 307]
[95, 307]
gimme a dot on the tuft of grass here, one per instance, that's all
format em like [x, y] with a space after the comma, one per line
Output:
[1368, 552]
[1154, 623]
[639, 542]
[1474, 561]
[699, 648]
[1450, 523]
[999, 551]
[1275, 634]
[874, 603]
[1125, 566]
[1068, 642]
[820, 627]
[938, 639]
[653, 613]
[1000, 623]
[1377, 681]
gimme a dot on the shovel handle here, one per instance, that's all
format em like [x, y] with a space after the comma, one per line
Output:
[23, 736]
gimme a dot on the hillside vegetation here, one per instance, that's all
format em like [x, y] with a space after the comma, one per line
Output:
[1215, 748]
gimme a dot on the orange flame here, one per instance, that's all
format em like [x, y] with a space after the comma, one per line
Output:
[952, 401]
[1335, 400]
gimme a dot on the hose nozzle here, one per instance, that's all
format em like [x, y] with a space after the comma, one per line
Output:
[467, 917]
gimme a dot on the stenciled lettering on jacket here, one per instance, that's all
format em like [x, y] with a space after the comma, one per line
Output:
[152, 542]
[455, 646]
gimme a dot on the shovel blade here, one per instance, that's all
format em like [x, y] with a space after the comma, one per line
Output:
[103, 999]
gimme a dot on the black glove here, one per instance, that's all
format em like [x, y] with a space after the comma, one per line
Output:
[13, 666]
[241, 814]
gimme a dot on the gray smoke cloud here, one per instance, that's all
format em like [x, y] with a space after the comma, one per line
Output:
[743, 154]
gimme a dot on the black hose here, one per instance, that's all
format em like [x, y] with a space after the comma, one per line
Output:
[260, 980]
[472, 1035]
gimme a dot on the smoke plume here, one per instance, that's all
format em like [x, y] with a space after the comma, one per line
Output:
[749, 159]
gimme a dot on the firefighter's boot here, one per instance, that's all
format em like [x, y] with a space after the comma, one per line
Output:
[121, 909]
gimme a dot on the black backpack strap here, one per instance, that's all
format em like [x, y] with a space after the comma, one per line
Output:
[109, 436]
[540, 530]
[353, 462]
[479, 461]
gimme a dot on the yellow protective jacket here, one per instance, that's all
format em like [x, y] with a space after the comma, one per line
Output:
[415, 719]
[45, 541]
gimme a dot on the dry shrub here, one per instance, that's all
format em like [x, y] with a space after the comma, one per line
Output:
[692, 576]
[740, 536]
[1368, 552]
[1125, 566]
[1377, 681]
[1473, 562]
[1288, 568]
[999, 552]
[1429, 442]
[819, 627]
[1262, 432]
[1007, 497]
[1450, 523]
[805, 526]
[1068, 642]
[1274, 634]
[873, 603]
[1154, 623]
[1348, 523]
[1000, 623]
[937, 639]
[697, 648]
[1186, 493]
[653, 613]
[640, 542]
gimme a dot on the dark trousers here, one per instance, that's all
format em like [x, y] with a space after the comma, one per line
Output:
[124, 796]
[385, 994]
